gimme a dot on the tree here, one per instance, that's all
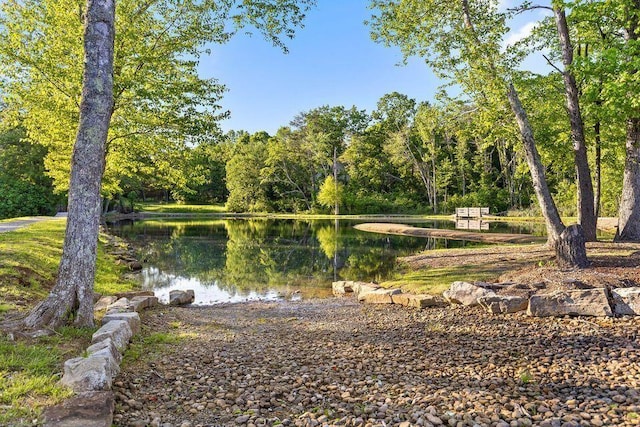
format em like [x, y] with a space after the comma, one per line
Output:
[73, 292]
[461, 41]
[161, 104]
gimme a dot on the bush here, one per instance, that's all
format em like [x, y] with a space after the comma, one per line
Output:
[21, 198]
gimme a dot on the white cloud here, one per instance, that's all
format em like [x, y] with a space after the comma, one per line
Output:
[515, 35]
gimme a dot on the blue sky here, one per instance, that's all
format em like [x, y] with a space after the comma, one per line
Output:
[332, 61]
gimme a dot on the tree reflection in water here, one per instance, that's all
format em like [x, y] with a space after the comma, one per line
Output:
[244, 258]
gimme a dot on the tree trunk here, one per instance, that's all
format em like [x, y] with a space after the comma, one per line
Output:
[586, 213]
[629, 211]
[552, 219]
[570, 248]
[597, 176]
[336, 209]
[72, 296]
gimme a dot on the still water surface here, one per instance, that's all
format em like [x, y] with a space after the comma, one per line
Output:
[233, 260]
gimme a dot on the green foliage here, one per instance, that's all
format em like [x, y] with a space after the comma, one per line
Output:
[162, 106]
[331, 193]
[24, 188]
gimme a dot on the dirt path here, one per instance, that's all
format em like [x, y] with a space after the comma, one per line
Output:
[336, 362]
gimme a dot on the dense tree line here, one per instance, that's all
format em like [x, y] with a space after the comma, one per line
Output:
[405, 156]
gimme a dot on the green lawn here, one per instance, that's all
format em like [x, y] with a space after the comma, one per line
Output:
[180, 208]
[434, 281]
[30, 369]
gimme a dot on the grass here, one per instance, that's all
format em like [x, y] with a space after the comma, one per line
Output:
[29, 259]
[30, 368]
[180, 208]
[434, 281]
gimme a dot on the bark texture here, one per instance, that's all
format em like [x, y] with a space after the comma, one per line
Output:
[72, 296]
[570, 248]
[629, 211]
[586, 212]
[552, 219]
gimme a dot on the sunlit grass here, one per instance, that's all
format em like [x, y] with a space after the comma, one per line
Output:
[30, 369]
[29, 374]
[180, 208]
[434, 281]
[29, 259]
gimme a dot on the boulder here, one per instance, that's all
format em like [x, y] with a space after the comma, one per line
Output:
[379, 296]
[104, 303]
[342, 287]
[119, 332]
[418, 301]
[120, 306]
[142, 302]
[92, 373]
[502, 304]
[178, 297]
[366, 289]
[579, 302]
[626, 301]
[131, 317]
[466, 293]
[89, 409]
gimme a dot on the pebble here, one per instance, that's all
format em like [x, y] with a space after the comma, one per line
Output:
[301, 364]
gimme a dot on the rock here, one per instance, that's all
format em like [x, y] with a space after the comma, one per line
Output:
[89, 409]
[104, 303]
[178, 297]
[92, 373]
[582, 302]
[132, 318]
[133, 294]
[626, 301]
[140, 303]
[120, 306]
[361, 289]
[134, 265]
[417, 301]
[378, 296]
[119, 332]
[106, 348]
[342, 287]
[501, 304]
[466, 293]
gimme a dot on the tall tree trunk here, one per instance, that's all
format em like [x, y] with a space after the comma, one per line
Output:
[336, 209]
[73, 293]
[586, 212]
[629, 211]
[597, 177]
[560, 241]
[552, 219]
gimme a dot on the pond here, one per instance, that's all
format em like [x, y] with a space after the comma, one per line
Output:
[233, 260]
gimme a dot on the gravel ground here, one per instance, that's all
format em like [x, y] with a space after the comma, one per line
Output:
[337, 362]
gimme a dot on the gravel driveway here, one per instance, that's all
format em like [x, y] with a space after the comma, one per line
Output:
[337, 362]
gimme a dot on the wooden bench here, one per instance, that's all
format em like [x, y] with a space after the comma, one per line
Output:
[471, 212]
